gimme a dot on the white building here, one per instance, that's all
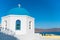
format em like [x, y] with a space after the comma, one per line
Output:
[22, 25]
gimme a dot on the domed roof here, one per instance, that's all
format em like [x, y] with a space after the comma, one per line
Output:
[18, 10]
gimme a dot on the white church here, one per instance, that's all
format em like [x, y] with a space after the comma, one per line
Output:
[22, 26]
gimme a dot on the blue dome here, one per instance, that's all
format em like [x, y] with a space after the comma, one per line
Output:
[18, 10]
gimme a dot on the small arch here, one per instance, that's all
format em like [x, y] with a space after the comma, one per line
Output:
[6, 23]
[18, 24]
[29, 24]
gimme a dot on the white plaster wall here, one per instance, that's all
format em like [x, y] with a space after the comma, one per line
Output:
[11, 20]
[3, 24]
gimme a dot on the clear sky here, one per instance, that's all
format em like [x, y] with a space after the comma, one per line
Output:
[46, 12]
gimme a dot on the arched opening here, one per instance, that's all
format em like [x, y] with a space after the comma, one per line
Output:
[5, 23]
[29, 24]
[18, 24]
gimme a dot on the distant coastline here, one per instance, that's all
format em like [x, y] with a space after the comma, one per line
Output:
[55, 31]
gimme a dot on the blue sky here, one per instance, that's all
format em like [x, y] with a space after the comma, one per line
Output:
[46, 12]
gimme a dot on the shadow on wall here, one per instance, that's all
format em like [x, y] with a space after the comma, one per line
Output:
[6, 37]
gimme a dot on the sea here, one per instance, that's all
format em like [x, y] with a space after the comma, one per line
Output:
[55, 33]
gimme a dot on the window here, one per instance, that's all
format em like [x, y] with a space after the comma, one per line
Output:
[29, 24]
[18, 24]
[5, 23]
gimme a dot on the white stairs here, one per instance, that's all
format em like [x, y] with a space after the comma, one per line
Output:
[7, 31]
